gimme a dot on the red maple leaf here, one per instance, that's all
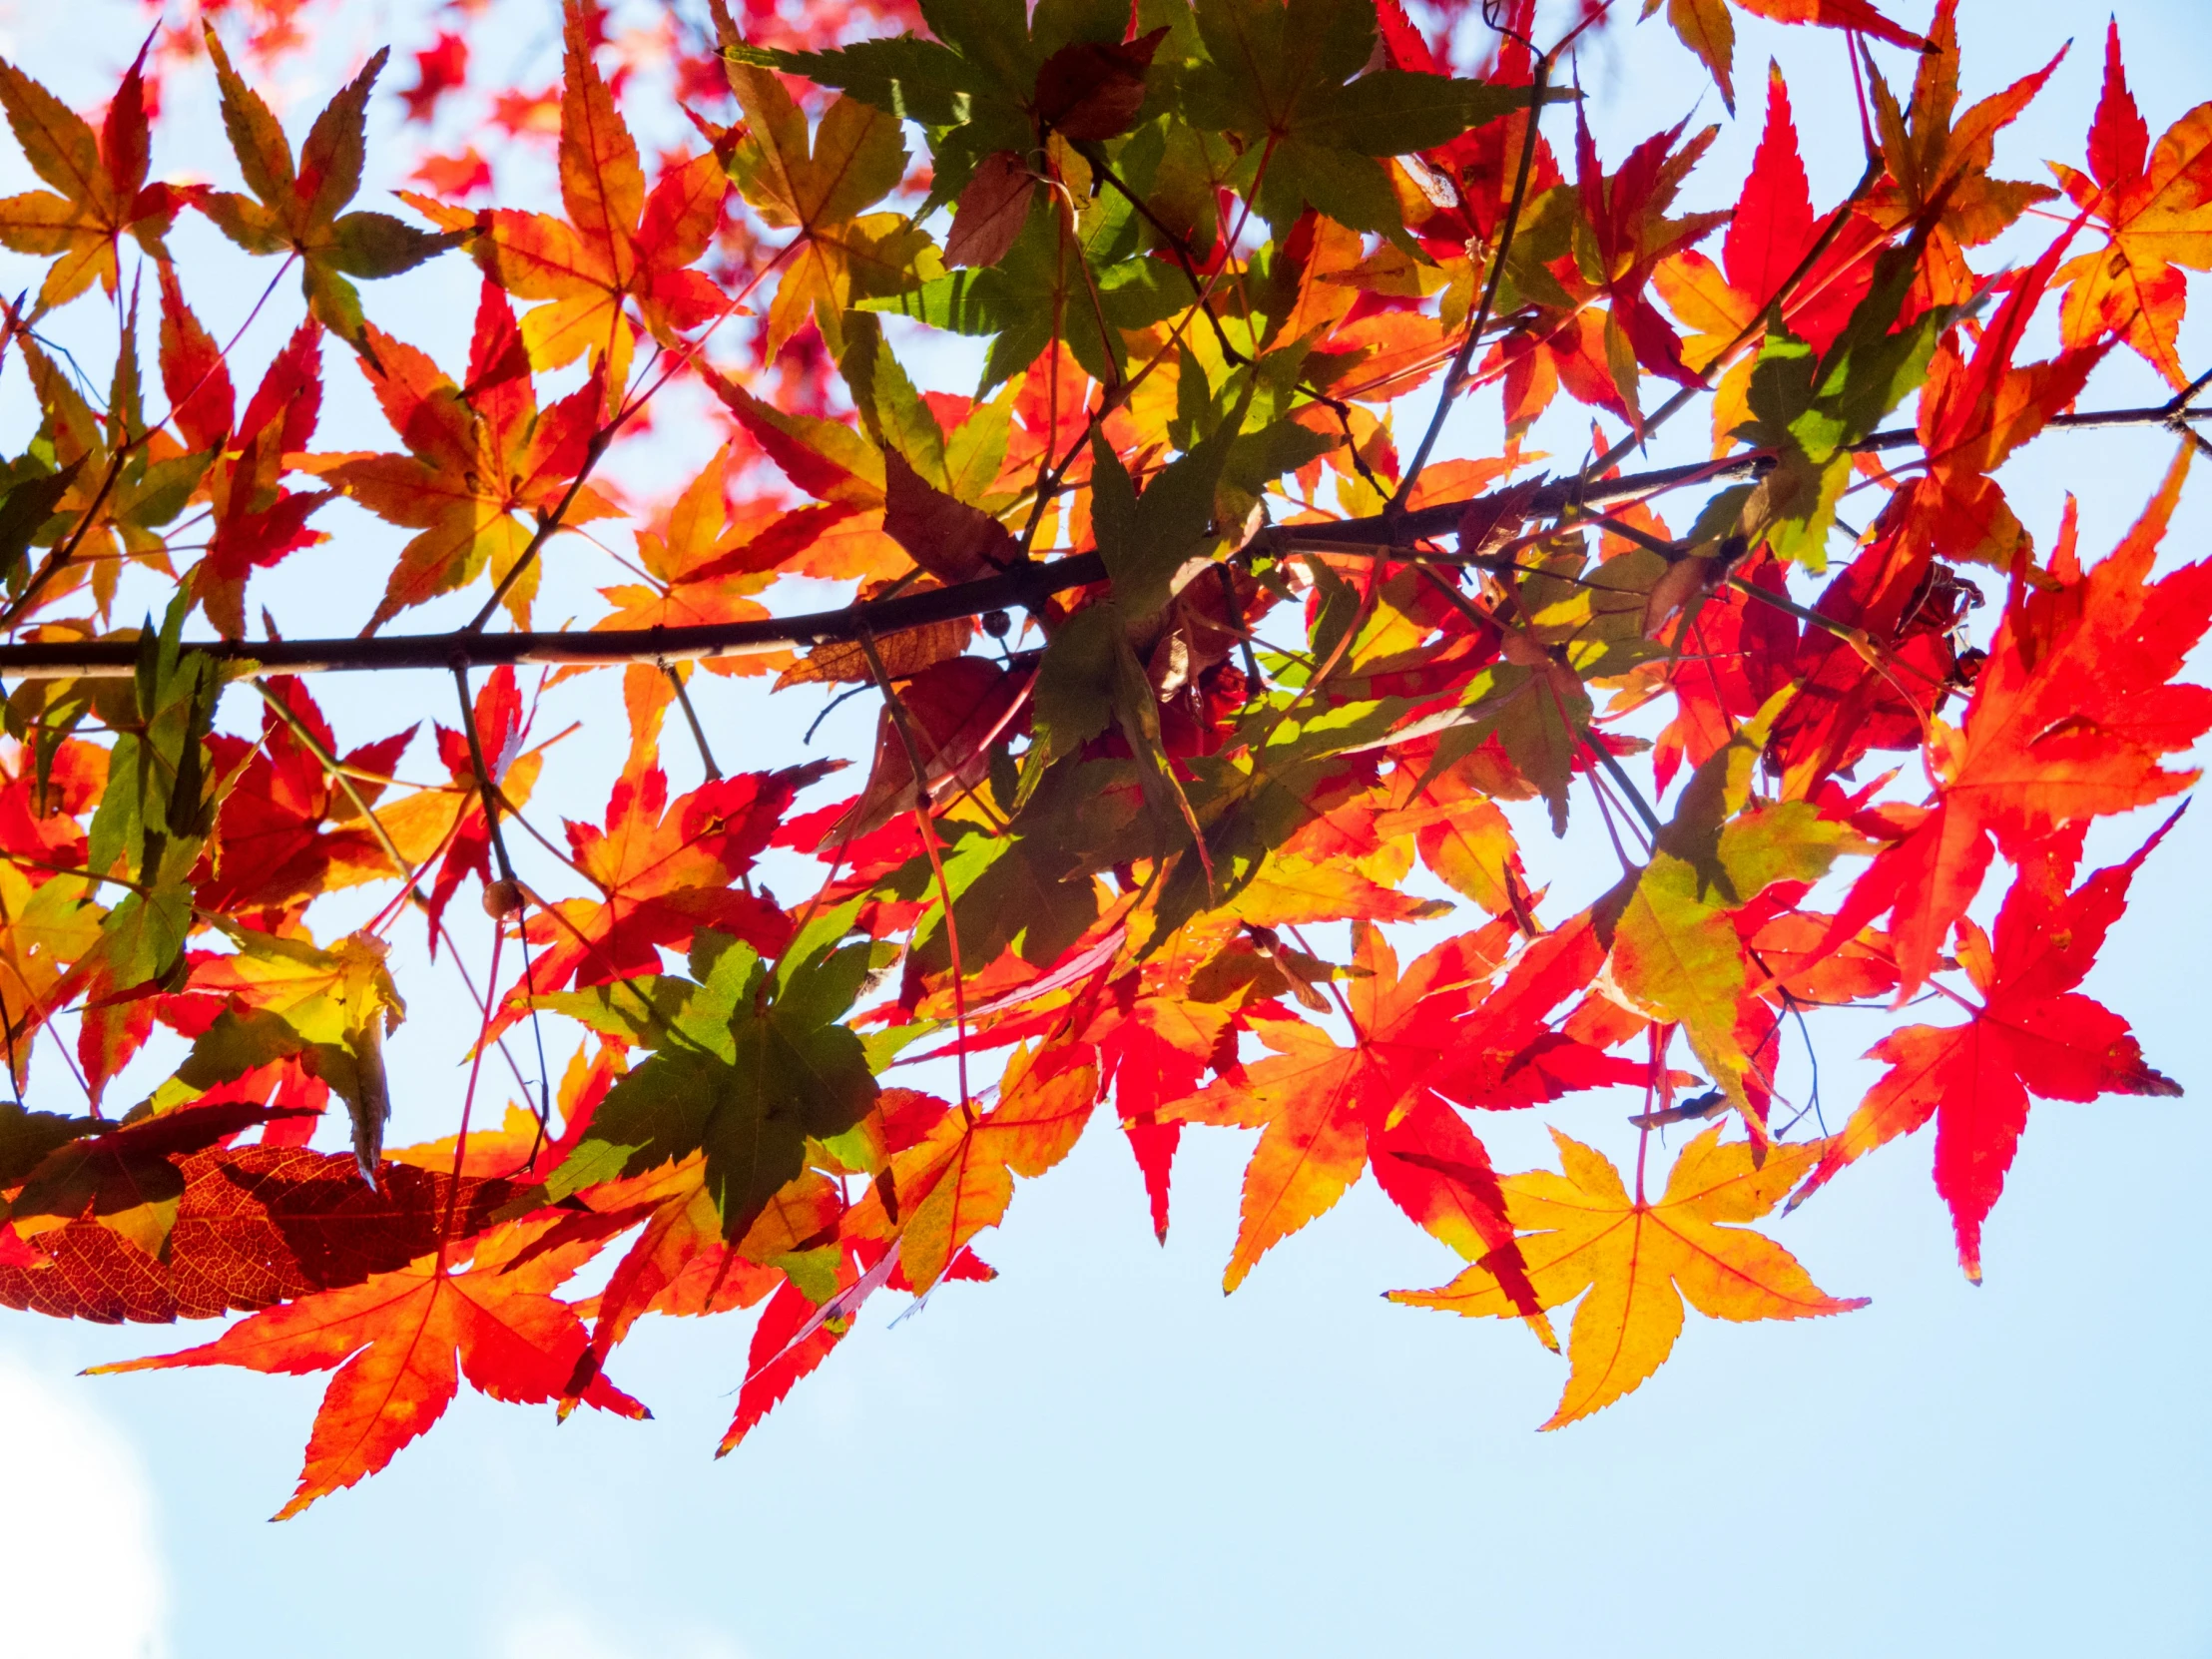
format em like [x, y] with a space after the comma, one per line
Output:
[2071, 716]
[1321, 1107]
[2032, 1034]
[664, 870]
[258, 522]
[440, 67]
[287, 830]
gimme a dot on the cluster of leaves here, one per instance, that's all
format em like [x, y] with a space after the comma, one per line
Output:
[1272, 673]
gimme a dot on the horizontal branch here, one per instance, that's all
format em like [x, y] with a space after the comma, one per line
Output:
[1025, 586]
[2163, 414]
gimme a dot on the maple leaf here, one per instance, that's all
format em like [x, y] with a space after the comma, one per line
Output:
[2155, 208]
[479, 453]
[440, 67]
[706, 564]
[258, 522]
[1287, 79]
[664, 870]
[2071, 715]
[101, 179]
[1938, 176]
[400, 1343]
[1319, 1103]
[959, 1178]
[1626, 217]
[619, 244]
[300, 208]
[2034, 1033]
[464, 174]
[840, 254]
[1770, 235]
[747, 1062]
[253, 1226]
[287, 830]
[1583, 1231]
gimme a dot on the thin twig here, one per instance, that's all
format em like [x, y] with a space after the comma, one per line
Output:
[1455, 376]
[691, 718]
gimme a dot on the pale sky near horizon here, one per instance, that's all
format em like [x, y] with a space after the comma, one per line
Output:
[1099, 1455]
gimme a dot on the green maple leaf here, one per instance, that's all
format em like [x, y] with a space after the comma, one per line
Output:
[974, 86]
[1281, 77]
[1811, 411]
[1676, 955]
[747, 1062]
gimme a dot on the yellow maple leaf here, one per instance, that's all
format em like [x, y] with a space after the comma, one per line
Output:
[1583, 1231]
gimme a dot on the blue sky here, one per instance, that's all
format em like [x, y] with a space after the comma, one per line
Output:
[1099, 1454]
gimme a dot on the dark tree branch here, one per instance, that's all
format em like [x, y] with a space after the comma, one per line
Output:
[1026, 586]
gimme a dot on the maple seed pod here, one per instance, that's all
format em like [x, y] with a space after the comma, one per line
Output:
[501, 899]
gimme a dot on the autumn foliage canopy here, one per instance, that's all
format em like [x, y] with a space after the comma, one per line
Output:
[1227, 698]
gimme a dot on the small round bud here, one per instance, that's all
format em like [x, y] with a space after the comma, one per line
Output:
[996, 624]
[501, 899]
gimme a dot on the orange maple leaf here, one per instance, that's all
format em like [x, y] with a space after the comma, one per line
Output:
[1585, 1230]
[959, 1178]
[402, 1342]
[858, 157]
[2155, 208]
[480, 453]
[664, 870]
[1320, 1105]
[619, 242]
[706, 563]
[1938, 168]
